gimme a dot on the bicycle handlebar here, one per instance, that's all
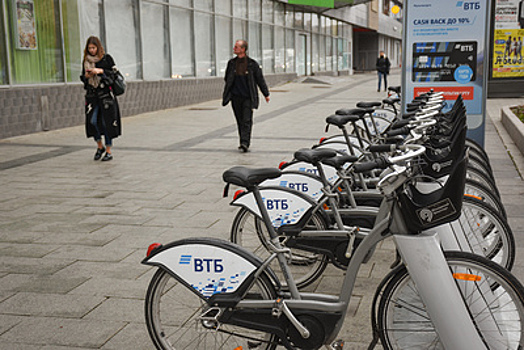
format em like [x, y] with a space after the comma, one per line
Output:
[411, 151]
[379, 163]
[382, 148]
[400, 131]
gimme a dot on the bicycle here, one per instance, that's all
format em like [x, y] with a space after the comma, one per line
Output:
[231, 299]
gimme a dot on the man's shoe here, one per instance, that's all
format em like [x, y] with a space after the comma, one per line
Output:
[107, 157]
[243, 148]
[99, 153]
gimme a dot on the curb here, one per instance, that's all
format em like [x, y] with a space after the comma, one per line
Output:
[513, 126]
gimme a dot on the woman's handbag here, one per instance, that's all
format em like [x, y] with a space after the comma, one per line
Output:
[119, 83]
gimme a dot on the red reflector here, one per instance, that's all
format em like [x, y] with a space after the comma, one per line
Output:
[238, 193]
[281, 165]
[151, 247]
[322, 139]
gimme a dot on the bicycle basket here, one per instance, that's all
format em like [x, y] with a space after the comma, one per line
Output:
[421, 211]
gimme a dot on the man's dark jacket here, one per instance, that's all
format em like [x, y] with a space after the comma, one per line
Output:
[254, 78]
[383, 64]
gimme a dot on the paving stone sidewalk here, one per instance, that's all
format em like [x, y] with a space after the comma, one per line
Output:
[73, 231]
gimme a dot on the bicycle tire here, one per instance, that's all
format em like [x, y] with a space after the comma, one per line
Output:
[477, 162]
[250, 232]
[473, 145]
[480, 169]
[403, 321]
[487, 232]
[481, 155]
[172, 317]
[475, 188]
[475, 174]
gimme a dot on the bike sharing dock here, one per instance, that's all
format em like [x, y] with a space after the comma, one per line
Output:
[73, 231]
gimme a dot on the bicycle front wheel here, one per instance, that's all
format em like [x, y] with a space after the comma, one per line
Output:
[487, 232]
[495, 302]
[173, 318]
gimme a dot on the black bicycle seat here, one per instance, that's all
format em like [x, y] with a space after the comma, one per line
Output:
[395, 89]
[355, 111]
[341, 120]
[314, 156]
[246, 177]
[364, 104]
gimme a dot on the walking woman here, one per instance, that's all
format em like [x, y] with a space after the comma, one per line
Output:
[101, 106]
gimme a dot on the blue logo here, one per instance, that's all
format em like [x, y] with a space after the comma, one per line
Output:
[469, 5]
[185, 260]
[463, 74]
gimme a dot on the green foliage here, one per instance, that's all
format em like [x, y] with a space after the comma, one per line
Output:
[519, 112]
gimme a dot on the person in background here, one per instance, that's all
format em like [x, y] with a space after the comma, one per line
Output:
[243, 75]
[507, 48]
[382, 66]
[101, 107]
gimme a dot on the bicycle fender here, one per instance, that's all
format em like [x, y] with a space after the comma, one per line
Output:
[209, 266]
[385, 114]
[331, 172]
[300, 181]
[284, 206]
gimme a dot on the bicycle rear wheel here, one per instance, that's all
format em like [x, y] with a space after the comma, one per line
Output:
[250, 232]
[173, 318]
[403, 322]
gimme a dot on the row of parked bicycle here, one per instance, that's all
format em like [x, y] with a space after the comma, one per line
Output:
[411, 176]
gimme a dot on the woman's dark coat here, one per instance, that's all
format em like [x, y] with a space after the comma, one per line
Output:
[254, 78]
[102, 96]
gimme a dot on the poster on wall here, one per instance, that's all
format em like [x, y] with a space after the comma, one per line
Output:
[25, 24]
[508, 37]
[445, 44]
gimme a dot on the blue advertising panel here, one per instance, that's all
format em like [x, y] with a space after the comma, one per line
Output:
[445, 49]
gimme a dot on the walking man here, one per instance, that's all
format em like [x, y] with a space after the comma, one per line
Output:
[383, 65]
[243, 75]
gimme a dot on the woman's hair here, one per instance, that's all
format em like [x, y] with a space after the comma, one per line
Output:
[93, 40]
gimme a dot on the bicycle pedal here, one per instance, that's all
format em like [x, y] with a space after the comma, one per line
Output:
[276, 311]
[337, 345]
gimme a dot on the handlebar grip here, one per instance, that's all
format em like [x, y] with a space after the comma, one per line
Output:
[401, 131]
[379, 163]
[415, 104]
[382, 148]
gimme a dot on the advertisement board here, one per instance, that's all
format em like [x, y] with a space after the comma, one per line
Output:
[445, 50]
[25, 24]
[508, 36]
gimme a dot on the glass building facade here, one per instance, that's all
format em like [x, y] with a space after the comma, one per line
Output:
[154, 40]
